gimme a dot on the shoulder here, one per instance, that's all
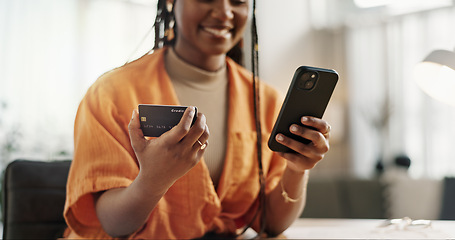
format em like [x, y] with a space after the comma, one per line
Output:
[126, 79]
[133, 72]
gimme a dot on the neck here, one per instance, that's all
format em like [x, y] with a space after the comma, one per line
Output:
[208, 62]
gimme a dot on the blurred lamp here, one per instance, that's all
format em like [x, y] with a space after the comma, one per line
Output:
[435, 75]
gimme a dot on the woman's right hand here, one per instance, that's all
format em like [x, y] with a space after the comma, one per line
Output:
[162, 161]
[173, 154]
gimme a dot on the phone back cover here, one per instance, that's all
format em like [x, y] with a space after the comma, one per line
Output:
[300, 102]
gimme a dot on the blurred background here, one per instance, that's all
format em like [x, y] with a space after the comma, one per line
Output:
[384, 126]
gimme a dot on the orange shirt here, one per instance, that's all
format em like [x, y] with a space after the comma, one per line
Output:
[104, 158]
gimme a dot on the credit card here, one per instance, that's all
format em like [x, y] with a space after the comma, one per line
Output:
[158, 119]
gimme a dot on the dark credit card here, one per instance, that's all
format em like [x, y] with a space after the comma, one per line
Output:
[158, 119]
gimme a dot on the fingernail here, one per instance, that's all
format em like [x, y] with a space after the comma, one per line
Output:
[191, 111]
[294, 128]
[279, 137]
[304, 119]
[132, 115]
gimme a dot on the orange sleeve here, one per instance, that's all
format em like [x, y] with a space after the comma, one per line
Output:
[103, 157]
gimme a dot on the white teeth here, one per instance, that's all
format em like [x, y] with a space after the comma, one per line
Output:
[218, 32]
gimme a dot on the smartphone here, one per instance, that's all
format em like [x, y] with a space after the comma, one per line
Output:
[158, 119]
[308, 95]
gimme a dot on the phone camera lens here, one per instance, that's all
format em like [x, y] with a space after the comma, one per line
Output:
[308, 80]
[309, 84]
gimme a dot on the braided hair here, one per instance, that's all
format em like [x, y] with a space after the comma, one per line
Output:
[165, 36]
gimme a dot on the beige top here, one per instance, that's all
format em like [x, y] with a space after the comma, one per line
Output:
[208, 92]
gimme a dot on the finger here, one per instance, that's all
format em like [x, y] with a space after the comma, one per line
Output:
[316, 137]
[196, 131]
[307, 150]
[179, 131]
[316, 123]
[200, 149]
[134, 129]
[203, 140]
[205, 135]
[318, 140]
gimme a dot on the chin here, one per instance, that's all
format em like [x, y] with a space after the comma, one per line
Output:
[215, 51]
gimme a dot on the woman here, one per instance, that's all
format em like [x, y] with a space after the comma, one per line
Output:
[122, 184]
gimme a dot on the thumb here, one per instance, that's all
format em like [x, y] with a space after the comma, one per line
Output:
[179, 131]
[136, 135]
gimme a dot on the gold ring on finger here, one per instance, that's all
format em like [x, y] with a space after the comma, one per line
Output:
[203, 145]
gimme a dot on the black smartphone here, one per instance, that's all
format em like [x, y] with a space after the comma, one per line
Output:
[308, 95]
[158, 119]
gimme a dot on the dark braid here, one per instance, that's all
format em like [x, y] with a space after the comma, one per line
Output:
[256, 108]
[256, 102]
[256, 93]
[236, 53]
[163, 26]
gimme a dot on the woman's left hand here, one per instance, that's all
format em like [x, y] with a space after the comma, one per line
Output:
[306, 155]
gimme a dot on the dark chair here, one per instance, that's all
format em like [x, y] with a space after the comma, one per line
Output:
[323, 200]
[448, 199]
[344, 198]
[33, 195]
[364, 198]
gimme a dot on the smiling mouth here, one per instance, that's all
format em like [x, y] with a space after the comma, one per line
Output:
[221, 33]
